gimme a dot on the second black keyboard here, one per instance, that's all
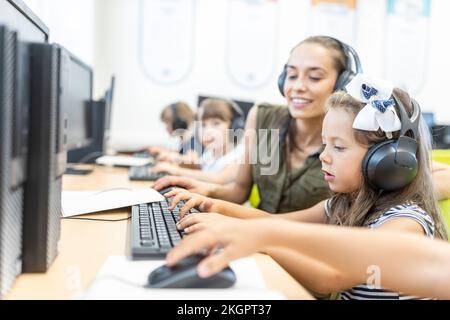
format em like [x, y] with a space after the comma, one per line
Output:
[153, 229]
[143, 173]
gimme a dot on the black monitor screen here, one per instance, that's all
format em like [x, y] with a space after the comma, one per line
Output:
[77, 104]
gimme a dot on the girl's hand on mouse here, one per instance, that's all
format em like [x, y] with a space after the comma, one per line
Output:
[238, 238]
[198, 221]
[192, 200]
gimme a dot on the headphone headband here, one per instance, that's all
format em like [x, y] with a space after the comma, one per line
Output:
[238, 121]
[177, 122]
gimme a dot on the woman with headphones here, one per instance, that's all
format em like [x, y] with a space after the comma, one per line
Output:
[218, 120]
[316, 67]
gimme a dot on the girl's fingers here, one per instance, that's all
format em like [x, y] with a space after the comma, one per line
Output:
[214, 263]
[195, 227]
[190, 245]
[188, 221]
[173, 192]
[194, 202]
[177, 198]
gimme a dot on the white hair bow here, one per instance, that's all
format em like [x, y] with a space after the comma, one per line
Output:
[379, 111]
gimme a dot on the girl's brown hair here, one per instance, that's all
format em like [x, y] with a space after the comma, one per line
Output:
[366, 204]
[216, 108]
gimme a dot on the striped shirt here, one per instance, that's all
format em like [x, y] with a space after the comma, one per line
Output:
[369, 291]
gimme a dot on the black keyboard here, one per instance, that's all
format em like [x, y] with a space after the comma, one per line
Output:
[153, 229]
[143, 173]
[143, 154]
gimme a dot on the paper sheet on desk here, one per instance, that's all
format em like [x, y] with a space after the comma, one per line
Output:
[121, 278]
[82, 202]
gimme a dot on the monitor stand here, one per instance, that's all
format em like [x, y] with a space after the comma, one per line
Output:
[76, 170]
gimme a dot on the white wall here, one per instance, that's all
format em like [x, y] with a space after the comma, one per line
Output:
[106, 32]
[71, 24]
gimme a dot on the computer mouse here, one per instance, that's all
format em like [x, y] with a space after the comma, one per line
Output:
[184, 275]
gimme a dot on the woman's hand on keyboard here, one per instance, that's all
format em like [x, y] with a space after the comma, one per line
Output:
[170, 168]
[198, 221]
[191, 200]
[189, 184]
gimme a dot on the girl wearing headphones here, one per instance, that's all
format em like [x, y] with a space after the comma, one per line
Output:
[220, 155]
[377, 166]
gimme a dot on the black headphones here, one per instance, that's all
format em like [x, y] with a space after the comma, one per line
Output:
[392, 164]
[344, 77]
[238, 120]
[177, 122]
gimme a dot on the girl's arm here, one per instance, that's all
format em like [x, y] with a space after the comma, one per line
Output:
[403, 261]
[315, 214]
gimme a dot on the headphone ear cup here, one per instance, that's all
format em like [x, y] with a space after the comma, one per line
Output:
[238, 123]
[377, 158]
[238, 120]
[381, 170]
[281, 80]
[179, 124]
[344, 78]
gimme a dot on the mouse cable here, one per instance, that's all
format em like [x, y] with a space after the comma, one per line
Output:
[124, 281]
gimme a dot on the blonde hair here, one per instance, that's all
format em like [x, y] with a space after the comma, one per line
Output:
[366, 204]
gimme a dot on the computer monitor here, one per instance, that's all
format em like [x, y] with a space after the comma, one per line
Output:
[441, 137]
[18, 27]
[77, 99]
[109, 97]
[101, 111]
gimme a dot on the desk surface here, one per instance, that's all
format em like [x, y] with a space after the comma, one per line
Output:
[85, 246]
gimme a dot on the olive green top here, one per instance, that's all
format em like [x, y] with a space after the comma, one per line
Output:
[285, 190]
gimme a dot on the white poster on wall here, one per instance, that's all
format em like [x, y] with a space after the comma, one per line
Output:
[252, 29]
[407, 42]
[335, 18]
[166, 40]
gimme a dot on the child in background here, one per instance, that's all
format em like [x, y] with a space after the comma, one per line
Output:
[396, 194]
[178, 118]
[221, 156]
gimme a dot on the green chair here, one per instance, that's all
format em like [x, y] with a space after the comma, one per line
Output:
[444, 157]
[254, 198]
[445, 211]
[441, 156]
